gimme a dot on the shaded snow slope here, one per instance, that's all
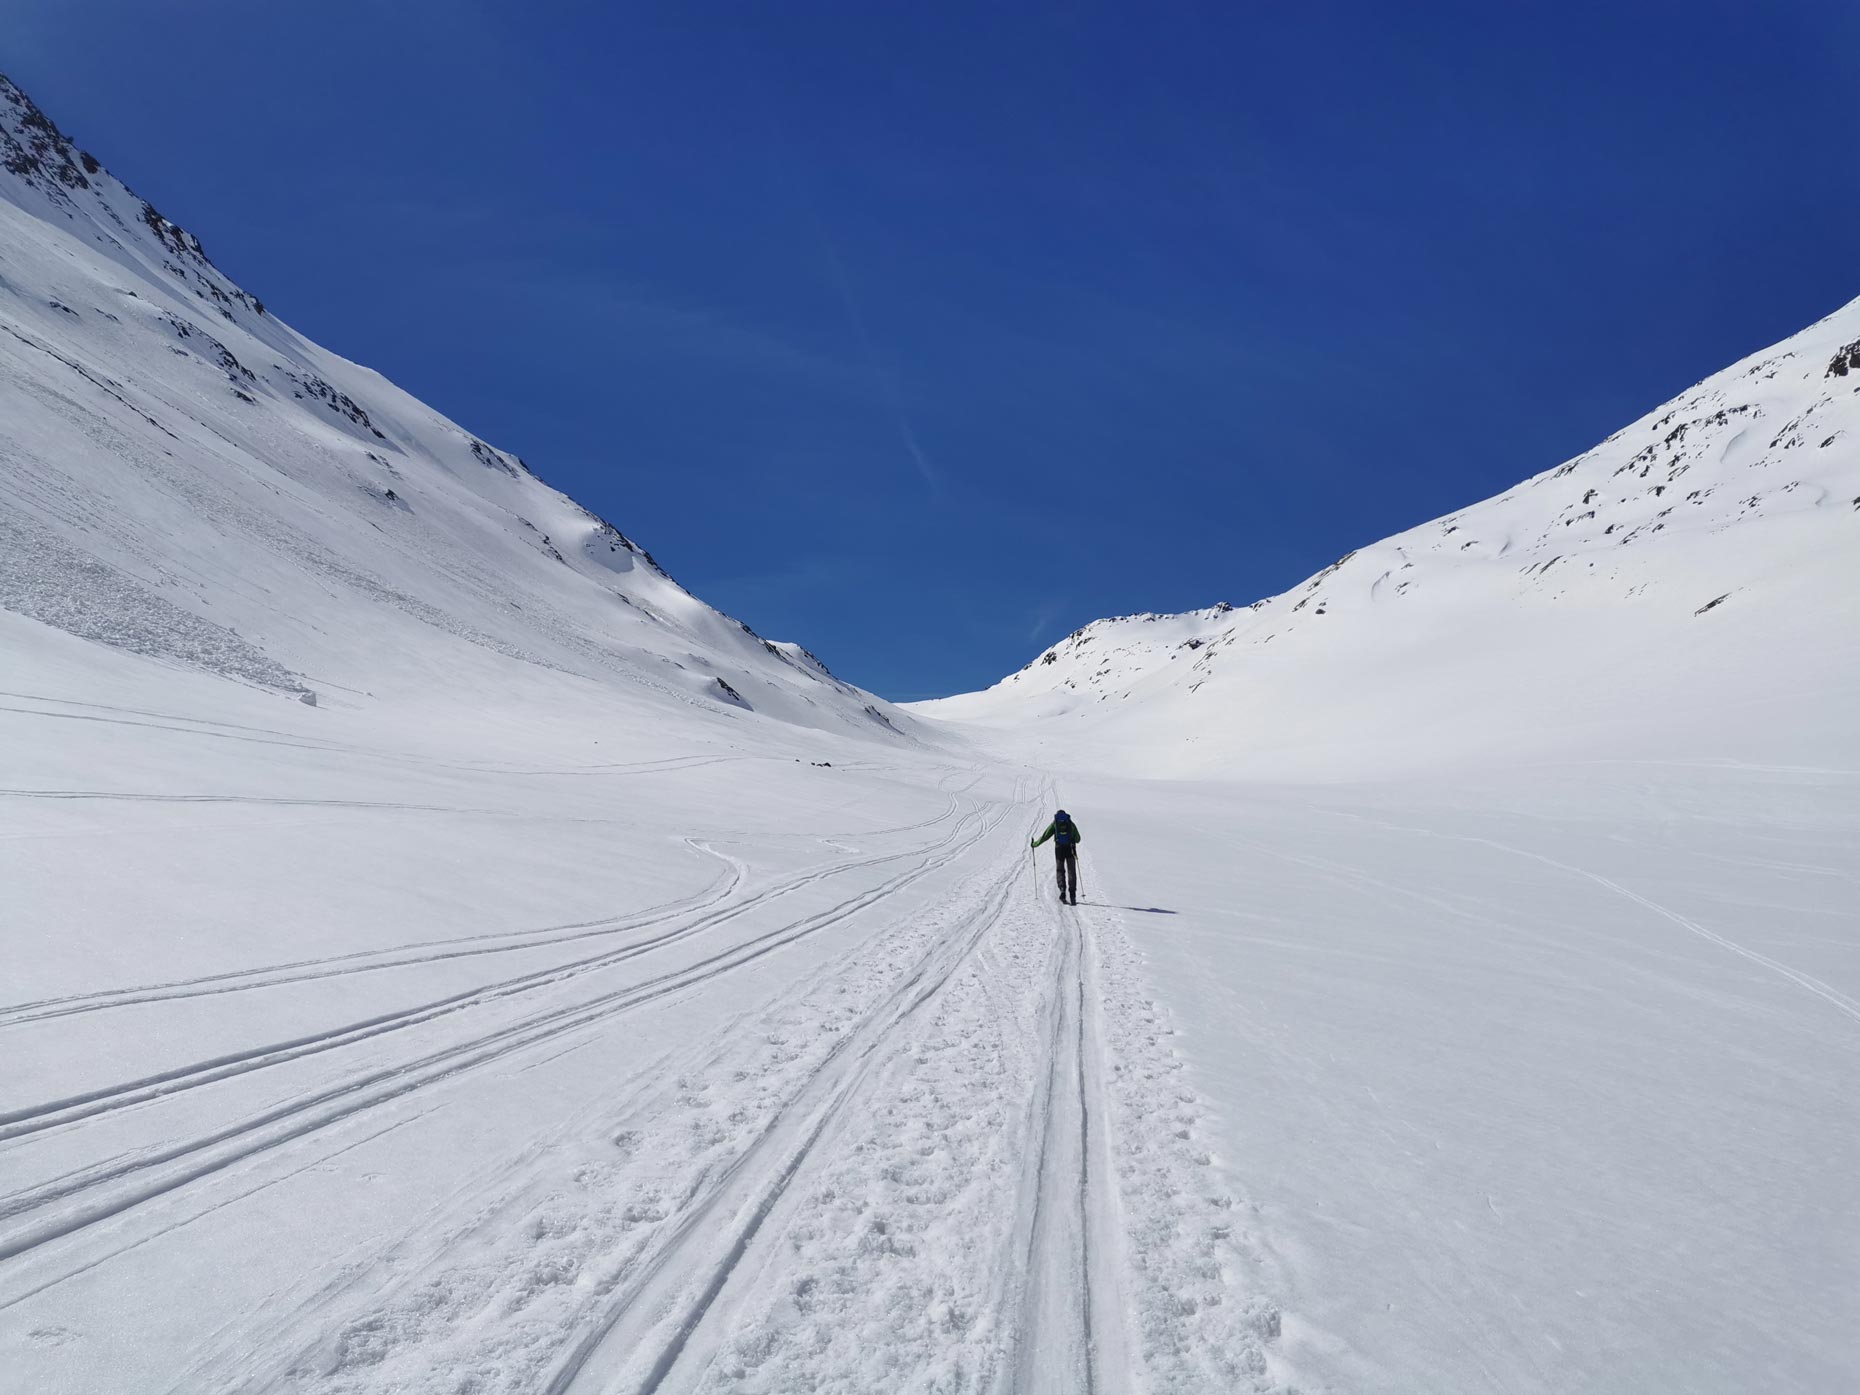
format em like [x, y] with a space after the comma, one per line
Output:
[1690, 585]
[185, 479]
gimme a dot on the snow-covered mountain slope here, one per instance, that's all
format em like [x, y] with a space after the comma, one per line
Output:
[441, 952]
[1689, 586]
[526, 1015]
[186, 480]
[1502, 879]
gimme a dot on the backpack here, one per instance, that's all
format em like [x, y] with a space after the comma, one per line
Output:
[1065, 832]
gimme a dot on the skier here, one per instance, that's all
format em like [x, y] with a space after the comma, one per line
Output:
[1065, 836]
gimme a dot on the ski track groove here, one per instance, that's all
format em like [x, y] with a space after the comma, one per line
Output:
[1080, 1301]
[267, 736]
[279, 1125]
[266, 976]
[1842, 1002]
[371, 960]
[50, 1114]
[1058, 1340]
[837, 1080]
[699, 1190]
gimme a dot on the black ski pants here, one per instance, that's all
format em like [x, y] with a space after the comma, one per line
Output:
[1066, 868]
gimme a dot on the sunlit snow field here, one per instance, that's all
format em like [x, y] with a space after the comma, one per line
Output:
[1542, 1083]
[439, 953]
[361, 1056]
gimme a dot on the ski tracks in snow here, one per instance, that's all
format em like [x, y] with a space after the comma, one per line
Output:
[958, 1157]
[31, 1216]
[1842, 1002]
[1015, 1203]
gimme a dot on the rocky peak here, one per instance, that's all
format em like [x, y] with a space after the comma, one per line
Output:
[42, 159]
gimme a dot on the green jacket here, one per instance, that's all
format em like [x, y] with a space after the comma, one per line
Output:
[1051, 828]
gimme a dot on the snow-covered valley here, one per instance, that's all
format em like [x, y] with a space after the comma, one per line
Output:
[443, 954]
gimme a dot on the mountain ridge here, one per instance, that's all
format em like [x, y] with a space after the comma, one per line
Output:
[170, 442]
[1679, 516]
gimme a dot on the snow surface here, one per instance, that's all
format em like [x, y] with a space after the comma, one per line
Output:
[344, 1056]
[1542, 1082]
[444, 955]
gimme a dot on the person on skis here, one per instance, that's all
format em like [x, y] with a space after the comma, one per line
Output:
[1065, 836]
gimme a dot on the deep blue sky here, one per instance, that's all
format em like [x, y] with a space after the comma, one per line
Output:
[922, 334]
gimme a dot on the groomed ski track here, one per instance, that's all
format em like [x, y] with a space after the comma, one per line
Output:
[878, 1121]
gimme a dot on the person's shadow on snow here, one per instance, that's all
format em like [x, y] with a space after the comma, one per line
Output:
[1141, 910]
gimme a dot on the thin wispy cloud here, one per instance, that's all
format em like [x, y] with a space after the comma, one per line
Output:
[1042, 619]
[882, 372]
[787, 174]
[649, 323]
